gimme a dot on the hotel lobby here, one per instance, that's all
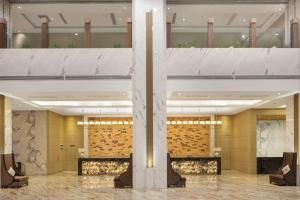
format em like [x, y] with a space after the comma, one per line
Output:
[149, 99]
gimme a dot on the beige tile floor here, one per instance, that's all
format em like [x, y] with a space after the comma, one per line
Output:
[230, 185]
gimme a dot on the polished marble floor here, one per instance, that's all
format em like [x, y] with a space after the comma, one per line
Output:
[230, 185]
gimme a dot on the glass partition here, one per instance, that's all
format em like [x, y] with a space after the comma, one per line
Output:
[231, 24]
[67, 24]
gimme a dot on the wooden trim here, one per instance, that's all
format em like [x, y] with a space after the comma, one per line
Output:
[252, 33]
[3, 35]
[87, 34]
[129, 33]
[210, 33]
[2, 121]
[169, 35]
[270, 117]
[296, 123]
[295, 33]
[45, 34]
[149, 88]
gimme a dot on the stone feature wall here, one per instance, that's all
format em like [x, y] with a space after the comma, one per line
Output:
[30, 140]
[110, 140]
[116, 140]
[270, 137]
[188, 139]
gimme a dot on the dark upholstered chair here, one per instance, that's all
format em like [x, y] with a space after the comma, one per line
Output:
[7, 180]
[289, 179]
[173, 178]
[17, 166]
[125, 179]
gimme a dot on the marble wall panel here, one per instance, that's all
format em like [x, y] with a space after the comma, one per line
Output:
[66, 62]
[30, 140]
[232, 61]
[270, 138]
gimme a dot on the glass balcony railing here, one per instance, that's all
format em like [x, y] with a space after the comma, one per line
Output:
[70, 40]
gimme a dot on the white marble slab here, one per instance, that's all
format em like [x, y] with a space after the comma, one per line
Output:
[233, 61]
[68, 62]
[178, 62]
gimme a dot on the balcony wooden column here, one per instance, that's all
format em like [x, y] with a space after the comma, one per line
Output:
[295, 33]
[87, 33]
[169, 34]
[45, 32]
[210, 33]
[3, 33]
[129, 32]
[252, 33]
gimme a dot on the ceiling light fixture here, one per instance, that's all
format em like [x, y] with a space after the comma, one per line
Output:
[76, 34]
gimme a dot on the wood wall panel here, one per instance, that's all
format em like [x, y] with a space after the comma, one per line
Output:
[110, 140]
[188, 139]
[116, 140]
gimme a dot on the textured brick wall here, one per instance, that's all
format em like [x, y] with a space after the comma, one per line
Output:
[116, 140]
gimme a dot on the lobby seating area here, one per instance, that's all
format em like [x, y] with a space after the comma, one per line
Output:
[286, 175]
[10, 176]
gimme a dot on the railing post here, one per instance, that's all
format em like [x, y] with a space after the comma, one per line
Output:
[295, 33]
[252, 33]
[169, 34]
[45, 32]
[3, 33]
[210, 33]
[87, 33]
[129, 32]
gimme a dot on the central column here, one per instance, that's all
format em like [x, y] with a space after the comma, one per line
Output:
[149, 111]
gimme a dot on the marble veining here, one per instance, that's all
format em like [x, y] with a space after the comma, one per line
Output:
[269, 137]
[30, 140]
[230, 185]
[232, 61]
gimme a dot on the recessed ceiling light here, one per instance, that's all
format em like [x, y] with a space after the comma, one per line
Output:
[169, 8]
[279, 9]
[183, 19]
[19, 7]
[277, 34]
[76, 34]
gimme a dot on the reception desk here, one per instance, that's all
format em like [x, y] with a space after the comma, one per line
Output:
[182, 165]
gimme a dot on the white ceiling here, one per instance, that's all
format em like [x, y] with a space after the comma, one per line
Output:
[119, 103]
[231, 16]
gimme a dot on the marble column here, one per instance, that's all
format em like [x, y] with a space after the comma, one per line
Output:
[3, 33]
[143, 176]
[45, 32]
[289, 141]
[295, 33]
[252, 33]
[87, 33]
[210, 33]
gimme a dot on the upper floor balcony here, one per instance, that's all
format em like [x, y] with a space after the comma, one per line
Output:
[98, 25]
[204, 41]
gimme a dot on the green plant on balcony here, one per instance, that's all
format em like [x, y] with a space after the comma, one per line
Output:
[26, 46]
[118, 45]
[192, 44]
[55, 46]
[71, 45]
